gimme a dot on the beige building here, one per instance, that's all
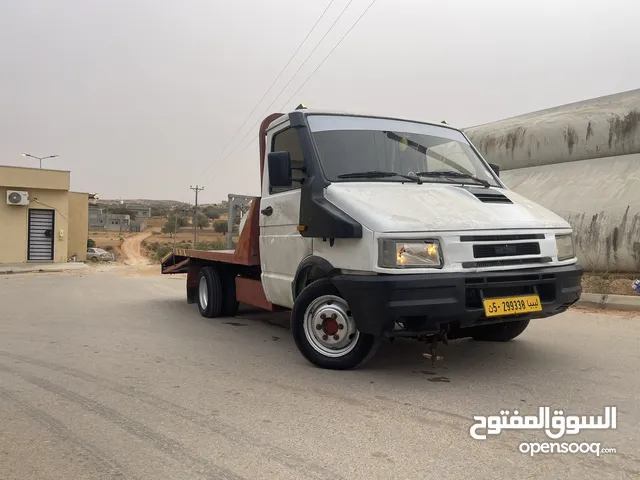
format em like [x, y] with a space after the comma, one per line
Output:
[40, 219]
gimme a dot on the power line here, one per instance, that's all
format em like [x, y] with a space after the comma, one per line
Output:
[305, 82]
[289, 82]
[329, 54]
[272, 84]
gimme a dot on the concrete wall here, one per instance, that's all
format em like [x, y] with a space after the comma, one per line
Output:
[581, 161]
[600, 198]
[601, 127]
[14, 222]
[78, 225]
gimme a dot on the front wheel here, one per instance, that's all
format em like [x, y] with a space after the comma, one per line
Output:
[324, 329]
[500, 332]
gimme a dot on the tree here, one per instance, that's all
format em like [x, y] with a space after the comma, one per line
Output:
[220, 226]
[173, 223]
[159, 211]
[91, 243]
[212, 212]
[203, 221]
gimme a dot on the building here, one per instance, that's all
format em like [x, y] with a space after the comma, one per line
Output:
[100, 220]
[140, 211]
[41, 220]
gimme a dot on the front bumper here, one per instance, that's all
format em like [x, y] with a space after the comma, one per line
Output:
[424, 302]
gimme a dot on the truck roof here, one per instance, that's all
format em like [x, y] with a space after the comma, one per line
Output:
[285, 116]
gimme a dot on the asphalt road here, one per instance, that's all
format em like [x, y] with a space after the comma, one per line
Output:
[104, 376]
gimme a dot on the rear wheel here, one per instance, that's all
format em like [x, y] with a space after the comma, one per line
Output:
[500, 332]
[325, 331]
[209, 292]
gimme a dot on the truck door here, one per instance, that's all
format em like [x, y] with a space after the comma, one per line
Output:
[282, 248]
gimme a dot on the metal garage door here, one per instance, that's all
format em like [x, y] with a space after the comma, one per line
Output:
[40, 234]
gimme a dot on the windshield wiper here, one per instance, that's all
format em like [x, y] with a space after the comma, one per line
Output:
[440, 173]
[379, 174]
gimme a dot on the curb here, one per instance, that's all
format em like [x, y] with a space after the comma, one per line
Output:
[17, 270]
[35, 270]
[611, 302]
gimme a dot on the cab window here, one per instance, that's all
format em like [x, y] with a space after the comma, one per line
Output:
[287, 141]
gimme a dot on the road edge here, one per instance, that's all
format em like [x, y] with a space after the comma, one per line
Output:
[609, 302]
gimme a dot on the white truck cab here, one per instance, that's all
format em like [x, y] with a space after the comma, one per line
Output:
[377, 227]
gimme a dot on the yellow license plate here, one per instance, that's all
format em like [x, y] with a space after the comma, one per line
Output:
[498, 307]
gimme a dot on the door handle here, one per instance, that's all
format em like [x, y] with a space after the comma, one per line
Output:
[267, 211]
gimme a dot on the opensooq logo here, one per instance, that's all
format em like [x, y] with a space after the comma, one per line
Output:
[555, 426]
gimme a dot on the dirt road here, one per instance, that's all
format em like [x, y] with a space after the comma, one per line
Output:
[131, 249]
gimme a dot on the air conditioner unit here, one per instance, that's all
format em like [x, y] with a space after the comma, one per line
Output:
[17, 198]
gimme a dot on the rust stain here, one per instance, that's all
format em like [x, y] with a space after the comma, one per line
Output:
[623, 128]
[515, 138]
[636, 253]
[632, 230]
[589, 131]
[571, 137]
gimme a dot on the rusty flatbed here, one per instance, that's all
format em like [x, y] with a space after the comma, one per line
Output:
[241, 266]
[247, 252]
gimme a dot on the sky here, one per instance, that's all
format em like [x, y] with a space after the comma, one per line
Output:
[141, 97]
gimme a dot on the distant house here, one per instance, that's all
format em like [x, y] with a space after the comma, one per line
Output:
[140, 211]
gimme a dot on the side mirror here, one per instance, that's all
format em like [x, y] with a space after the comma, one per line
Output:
[279, 164]
[495, 168]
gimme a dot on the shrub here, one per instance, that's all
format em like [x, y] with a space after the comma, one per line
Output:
[218, 244]
[220, 226]
[108, 248]
[91, 243]
[161, 251]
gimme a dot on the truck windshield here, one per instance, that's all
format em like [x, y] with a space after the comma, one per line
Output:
[349, 145]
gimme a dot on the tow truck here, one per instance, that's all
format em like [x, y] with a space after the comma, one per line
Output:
[372, 228]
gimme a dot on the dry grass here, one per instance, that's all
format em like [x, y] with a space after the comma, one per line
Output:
[186, 237]
[156, 221]
[609, 283]
[104, 239]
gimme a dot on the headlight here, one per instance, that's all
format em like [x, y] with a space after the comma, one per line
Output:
[564, 245]
[409, 254]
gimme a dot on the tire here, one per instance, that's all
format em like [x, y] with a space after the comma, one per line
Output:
[500, 332]
[94, 259]
[209, 292]
[352, 349]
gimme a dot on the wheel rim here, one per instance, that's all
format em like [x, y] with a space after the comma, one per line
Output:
[329, 326]
[203, 292]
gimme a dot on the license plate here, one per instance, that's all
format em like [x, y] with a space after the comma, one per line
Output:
[498, 307]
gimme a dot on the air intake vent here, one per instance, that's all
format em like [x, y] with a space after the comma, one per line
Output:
[491, 197]
[502, 238]
[505, 263]
[506, 250]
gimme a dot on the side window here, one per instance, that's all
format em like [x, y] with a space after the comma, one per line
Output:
[287, 141]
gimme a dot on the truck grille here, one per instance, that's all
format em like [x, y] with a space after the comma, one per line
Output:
[506, 263]
[506, 250]
[502, 238]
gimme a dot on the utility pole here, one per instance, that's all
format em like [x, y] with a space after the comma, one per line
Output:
[196, 189]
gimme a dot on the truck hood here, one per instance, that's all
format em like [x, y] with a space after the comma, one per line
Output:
[396, 207]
